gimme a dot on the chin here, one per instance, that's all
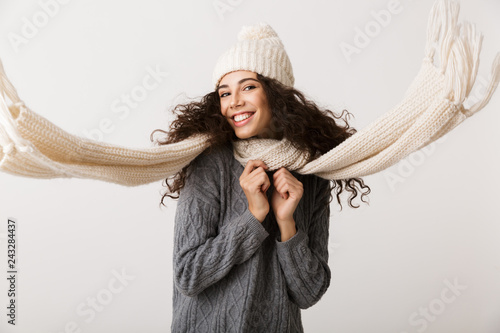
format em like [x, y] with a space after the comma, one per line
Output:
[245, 135]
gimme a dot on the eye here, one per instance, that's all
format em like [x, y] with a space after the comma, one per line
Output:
[223, 95]
[249, 87]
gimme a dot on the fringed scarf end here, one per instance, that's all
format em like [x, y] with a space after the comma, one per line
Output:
[10, 138]
[459, 47]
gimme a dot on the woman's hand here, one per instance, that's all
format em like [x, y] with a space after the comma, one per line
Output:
[255, 182]
[287, 193]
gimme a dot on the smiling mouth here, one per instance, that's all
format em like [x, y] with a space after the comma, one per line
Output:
[243, 118]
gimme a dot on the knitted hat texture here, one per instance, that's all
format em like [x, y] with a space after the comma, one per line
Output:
[260, 50]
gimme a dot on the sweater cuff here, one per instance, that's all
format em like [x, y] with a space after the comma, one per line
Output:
[250, 223]
[291, 243]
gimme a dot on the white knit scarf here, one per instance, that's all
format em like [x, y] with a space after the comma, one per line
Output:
[432, 106]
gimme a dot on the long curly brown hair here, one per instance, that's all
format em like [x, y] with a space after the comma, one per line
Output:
[294, 117]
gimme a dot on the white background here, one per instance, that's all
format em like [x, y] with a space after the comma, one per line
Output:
[389, 259]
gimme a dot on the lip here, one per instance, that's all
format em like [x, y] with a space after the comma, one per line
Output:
[244, 122]
[241, 112]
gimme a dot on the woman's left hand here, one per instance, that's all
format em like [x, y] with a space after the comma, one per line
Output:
[286, 196]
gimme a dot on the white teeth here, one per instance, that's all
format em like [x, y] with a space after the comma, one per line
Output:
[241, 117]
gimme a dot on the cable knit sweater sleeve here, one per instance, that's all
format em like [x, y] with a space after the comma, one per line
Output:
[204, 252]
[304, 257]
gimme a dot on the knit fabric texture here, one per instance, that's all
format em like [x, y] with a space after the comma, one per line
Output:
[231, 272]
[432, 106]
[259, 49]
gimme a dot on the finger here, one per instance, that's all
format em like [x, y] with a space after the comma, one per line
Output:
[284, 176]
[259, 177]
[282, 172]
[285, 190]
[281, 194]
[279, 185]
[251, 165]
[287, 185]
[266, 185]
[257, 180]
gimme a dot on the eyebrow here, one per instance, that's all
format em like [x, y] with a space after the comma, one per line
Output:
[239, 82]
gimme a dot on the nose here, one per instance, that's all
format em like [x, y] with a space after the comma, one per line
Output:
[235, 100]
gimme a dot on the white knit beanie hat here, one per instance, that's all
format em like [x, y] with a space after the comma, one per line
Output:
[260, 50]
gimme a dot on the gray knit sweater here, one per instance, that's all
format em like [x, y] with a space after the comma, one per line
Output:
[231, 272]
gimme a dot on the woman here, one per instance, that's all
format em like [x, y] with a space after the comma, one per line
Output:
[251, 246]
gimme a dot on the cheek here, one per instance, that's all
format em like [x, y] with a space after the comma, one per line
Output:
[265, 108]
[261, 102]
[223, 109]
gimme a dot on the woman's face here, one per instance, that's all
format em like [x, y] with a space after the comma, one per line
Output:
[244, 104]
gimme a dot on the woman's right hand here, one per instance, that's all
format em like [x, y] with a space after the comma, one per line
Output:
[255, 182]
